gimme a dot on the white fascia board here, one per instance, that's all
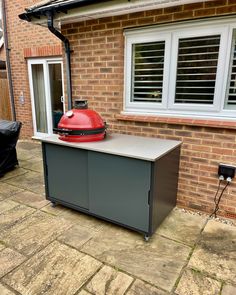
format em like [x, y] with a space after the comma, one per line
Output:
[113, 8]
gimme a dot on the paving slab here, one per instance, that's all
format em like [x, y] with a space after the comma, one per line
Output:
[56, 211]
[141, 288]
[13, 173]
[77, 236]
[216, 251]
[75, 216]
[28, 150]
[9, 259]
[35, 232]
[35, 165]
[56, 270]
[115, 238]
[23, 154]
[83, 292]
[159, 261]
[37, 152]
[1, 248]
[13, 216]
[30, 199]
[194, 283]
[32, 181]
[7, 205]
[7, 190]
[109, 281]
[5, 291]
[84, 219]
[228, 290]
[182, 227]
[28, 145]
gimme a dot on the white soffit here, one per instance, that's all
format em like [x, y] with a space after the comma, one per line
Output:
[115, 7]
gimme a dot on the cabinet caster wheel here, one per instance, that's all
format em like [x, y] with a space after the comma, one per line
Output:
[146, 238]
[53, 204]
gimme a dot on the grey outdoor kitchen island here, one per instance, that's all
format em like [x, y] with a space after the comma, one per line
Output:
[128, 180]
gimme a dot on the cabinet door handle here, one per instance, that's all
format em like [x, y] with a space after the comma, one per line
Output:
[149, 195]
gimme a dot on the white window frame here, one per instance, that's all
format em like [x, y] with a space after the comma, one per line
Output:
[171, 34]
[227, 72]
[219, 74]
[45, 62]
[150, 37]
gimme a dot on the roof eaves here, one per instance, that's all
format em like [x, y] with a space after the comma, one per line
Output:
[56, 7]
[68, 11]
[50, 4]
[39, 4]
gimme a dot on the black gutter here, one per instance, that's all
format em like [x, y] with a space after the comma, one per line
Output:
[57, 8]
[67, 51]
[8, 62]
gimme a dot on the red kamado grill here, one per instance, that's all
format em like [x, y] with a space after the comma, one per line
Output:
[81, 124]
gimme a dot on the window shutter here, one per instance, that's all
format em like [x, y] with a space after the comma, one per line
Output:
[147, 73]
[196, 70]
[231, 91]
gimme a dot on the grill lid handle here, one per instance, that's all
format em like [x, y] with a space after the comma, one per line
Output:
[69, 114]
[80, 104]
[62, 131]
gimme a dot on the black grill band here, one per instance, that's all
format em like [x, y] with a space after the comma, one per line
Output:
[62, 131]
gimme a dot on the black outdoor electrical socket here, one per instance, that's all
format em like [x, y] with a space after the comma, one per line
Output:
[226, 171]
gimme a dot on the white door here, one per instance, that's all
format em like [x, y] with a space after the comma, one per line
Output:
[46, 89]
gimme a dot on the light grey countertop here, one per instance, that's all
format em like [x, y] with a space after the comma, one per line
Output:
[143, 148]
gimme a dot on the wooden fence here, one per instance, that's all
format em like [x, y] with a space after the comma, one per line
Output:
[5, 107]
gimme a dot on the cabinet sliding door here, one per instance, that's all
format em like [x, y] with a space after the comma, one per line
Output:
[67, 175]
[119, 189]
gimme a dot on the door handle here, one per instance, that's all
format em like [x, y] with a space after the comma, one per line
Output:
[62, 99]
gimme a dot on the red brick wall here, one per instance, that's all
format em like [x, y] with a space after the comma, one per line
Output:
[24, 35]
[97, 75]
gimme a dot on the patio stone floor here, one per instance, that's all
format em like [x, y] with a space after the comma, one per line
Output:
[59, 251]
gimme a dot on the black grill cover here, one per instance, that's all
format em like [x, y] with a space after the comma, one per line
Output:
[9, 134]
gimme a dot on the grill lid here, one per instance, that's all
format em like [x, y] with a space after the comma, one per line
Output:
[81, 124]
